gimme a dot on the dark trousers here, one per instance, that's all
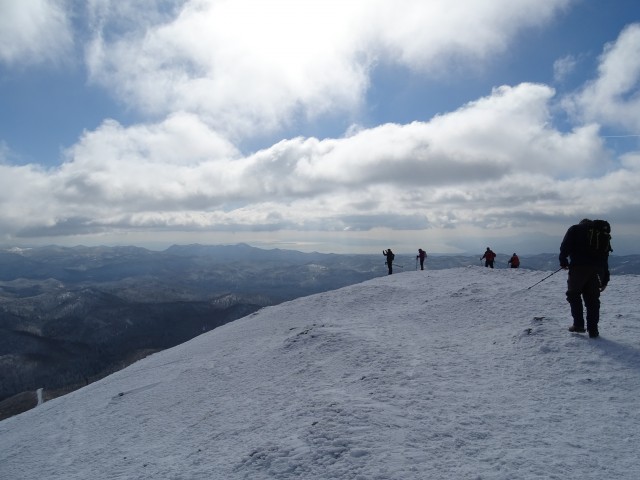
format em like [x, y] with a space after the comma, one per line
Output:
[422, 264]
[583, 284]
[390, 265]
[488, 263]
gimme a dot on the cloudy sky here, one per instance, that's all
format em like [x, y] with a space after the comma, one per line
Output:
[328, 125]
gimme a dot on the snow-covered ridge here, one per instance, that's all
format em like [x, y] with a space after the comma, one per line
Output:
[451, 374]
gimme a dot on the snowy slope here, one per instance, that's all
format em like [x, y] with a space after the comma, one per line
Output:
[449, 374]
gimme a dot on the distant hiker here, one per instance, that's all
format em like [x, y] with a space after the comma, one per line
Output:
[587, 245]
[488, 257]
[390, 256]
[514, 261]
[421, 255]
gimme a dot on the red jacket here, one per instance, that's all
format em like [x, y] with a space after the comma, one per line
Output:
[489, 255]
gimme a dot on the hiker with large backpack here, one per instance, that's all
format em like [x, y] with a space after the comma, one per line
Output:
[514, 261]
[390, 256]
[585, 253]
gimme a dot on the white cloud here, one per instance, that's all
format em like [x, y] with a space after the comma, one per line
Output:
[26, 198]
[249, 66]
[241, 65]
[563, 67]
[613, 98]
[34, 31]
[493, 162]
[146, 166]
[426, 35]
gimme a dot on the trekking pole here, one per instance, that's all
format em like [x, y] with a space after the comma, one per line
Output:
[544, 278]
[401, 266]
[416, 263]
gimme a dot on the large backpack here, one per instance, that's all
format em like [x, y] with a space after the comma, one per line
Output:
[599, 237]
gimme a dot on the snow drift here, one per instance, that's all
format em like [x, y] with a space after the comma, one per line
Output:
[449, 374]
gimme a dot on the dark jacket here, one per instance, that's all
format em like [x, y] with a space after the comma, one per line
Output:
[574, 250]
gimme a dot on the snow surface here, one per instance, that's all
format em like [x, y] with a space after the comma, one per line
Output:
[450, 374]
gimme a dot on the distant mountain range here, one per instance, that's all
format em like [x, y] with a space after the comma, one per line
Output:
[69, 316]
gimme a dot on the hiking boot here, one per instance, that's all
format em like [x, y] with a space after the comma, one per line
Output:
[575, 329]
[593, 334]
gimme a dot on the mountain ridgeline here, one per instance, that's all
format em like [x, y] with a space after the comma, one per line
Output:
[69, 316]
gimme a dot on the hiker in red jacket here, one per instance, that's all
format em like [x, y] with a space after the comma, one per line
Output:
[488, 257]
[514, 261]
